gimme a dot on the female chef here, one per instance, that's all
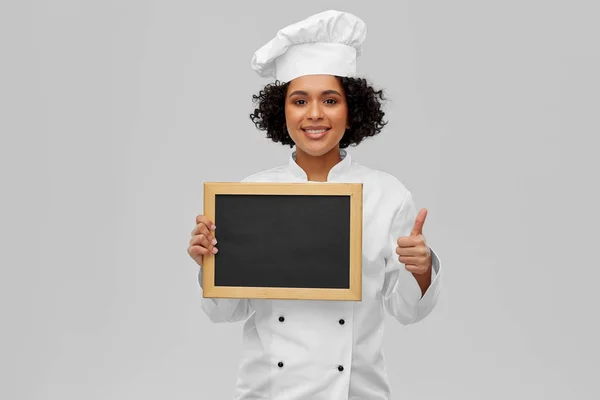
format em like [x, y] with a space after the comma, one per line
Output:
[329, 350]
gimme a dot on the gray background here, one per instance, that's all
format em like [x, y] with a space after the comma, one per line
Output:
[115, 112]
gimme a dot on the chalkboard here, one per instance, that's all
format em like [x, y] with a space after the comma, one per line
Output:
[284, 240]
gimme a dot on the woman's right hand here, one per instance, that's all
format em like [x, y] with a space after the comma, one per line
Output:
[203, 239]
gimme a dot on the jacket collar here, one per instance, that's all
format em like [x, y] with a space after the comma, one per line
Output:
[336, 172]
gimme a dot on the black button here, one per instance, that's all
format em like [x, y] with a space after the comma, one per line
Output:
[342, 322]
[281, 319]
[340, 368]
[280, 364]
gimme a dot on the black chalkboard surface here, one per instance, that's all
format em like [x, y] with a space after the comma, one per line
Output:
[285, 240]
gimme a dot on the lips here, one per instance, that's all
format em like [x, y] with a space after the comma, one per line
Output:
[315, 128]
[315, 132]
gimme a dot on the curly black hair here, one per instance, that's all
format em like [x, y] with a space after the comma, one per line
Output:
[365, 115]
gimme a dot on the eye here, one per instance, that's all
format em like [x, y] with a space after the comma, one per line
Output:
[331, 100]
[296, 102]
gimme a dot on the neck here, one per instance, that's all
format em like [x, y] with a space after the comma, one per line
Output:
[317, 167]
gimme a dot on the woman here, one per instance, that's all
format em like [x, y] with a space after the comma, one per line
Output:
[329, 350]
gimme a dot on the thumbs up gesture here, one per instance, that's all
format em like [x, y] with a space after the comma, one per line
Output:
[413, 251]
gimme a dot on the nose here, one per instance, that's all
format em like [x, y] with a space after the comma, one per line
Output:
[315, 111]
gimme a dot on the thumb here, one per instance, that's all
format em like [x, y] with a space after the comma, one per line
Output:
[419, 221]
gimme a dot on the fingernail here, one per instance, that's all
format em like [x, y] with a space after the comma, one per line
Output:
[213, 227]
[214, 241]
[215, 250]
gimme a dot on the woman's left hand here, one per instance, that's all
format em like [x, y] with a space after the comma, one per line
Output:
[413, 250]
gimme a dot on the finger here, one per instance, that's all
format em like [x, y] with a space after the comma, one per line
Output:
[416, 269]
[203, 219]
[197, 250]
[202, 240]
[197, 253]
[416, 251]
[411, 241]
[419, 221]
[202, 229]
[416, 260]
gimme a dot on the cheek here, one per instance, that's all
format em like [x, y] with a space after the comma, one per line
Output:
[340, 117]
[293, 114]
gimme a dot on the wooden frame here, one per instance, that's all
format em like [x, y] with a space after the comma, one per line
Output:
[353, 190]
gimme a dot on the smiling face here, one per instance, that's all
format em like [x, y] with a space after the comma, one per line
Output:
[316, 114]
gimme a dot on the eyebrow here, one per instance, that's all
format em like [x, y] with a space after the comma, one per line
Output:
[303, 93]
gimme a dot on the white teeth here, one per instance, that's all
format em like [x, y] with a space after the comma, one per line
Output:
[319, 131]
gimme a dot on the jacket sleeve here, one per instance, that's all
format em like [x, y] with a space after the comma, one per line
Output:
[401, 293]
[222, 309]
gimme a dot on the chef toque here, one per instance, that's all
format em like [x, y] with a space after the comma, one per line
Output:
[326, 43]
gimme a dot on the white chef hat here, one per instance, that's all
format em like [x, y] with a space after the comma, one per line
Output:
[325, 43]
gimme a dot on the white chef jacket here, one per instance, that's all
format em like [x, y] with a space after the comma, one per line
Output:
[332, 350]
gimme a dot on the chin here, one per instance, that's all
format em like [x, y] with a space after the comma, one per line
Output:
[316, 149]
